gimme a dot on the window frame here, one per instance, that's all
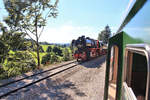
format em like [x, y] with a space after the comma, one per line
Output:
[143, 49]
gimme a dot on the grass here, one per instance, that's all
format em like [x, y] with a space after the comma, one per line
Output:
[45, 47]
[5, 75]
[34, 54]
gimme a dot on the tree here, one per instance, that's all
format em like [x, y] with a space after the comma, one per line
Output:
[30, 17]
[66, 55]
[46, 58]
[54, 57]
[41, 49]
[9, 40]
[49, 49]
[105, 35]
[19, 62]
[57, 51]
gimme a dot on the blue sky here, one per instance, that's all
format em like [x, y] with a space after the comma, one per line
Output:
[81, 17]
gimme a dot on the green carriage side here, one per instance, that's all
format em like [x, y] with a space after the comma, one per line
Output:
[118, 41]
[127, 63]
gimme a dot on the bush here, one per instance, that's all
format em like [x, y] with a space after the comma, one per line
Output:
[46, 58]
[41, 49]
[66, 55]
[49, 49]
[57, 51]
[1, 68]
[20, 62]
[54, 57]
[34, 48]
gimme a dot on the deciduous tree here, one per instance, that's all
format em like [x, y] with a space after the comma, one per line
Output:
[104, 35]
[49, 48]
[30, 17]
[57, 51]
[9, 40]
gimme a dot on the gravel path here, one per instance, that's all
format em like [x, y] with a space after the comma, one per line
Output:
[84, 82]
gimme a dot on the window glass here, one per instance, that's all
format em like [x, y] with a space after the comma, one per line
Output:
[139, 26]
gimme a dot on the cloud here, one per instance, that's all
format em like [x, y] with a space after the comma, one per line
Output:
[65, 33]
[147, 29]
[138, 28]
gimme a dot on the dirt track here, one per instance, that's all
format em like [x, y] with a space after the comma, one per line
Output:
[84, 82]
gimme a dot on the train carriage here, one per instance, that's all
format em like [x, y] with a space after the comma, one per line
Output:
[128, 58]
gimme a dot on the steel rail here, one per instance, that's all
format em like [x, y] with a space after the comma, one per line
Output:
[3, 85]
[15, 90]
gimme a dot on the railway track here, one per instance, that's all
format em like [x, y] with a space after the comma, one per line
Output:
[13, 86]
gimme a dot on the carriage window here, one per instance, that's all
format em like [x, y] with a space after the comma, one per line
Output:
[113, 72]
[137, 74]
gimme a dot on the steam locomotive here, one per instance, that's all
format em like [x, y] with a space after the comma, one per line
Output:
[86, 48]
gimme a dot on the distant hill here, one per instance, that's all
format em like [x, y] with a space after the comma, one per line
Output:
[47, 43]
[58, 44]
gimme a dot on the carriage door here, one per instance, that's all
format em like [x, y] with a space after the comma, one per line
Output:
[113, 73]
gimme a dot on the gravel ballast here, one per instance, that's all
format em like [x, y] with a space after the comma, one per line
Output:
[84, 82]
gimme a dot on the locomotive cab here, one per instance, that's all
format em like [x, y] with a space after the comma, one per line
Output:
[86, 48]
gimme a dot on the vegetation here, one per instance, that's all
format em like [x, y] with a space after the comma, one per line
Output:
[17, 63]
[9, 40]
[30, 18]
[57, 54]
[21, 61]
[66, 55]
[57, 51]
[46, 58]
[104, 35]
[18, 54]
[49, 49]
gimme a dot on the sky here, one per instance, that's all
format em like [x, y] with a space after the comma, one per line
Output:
[81, 17]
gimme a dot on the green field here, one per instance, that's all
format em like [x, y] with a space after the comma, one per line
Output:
[16, 62]
[34, 54]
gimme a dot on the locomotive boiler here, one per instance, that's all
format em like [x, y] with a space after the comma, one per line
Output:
[86, 48]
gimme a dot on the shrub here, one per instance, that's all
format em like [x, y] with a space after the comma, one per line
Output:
[20, 62]
[57, 51]
[49, 49]
[34, 48]
[1, 68]
[54, 57]
[41, 49]
[46, 58]
[66, 55]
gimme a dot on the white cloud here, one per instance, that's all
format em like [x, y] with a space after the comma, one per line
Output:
[65, 33]
[138, 28]
[147, 29]
[114, 29]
